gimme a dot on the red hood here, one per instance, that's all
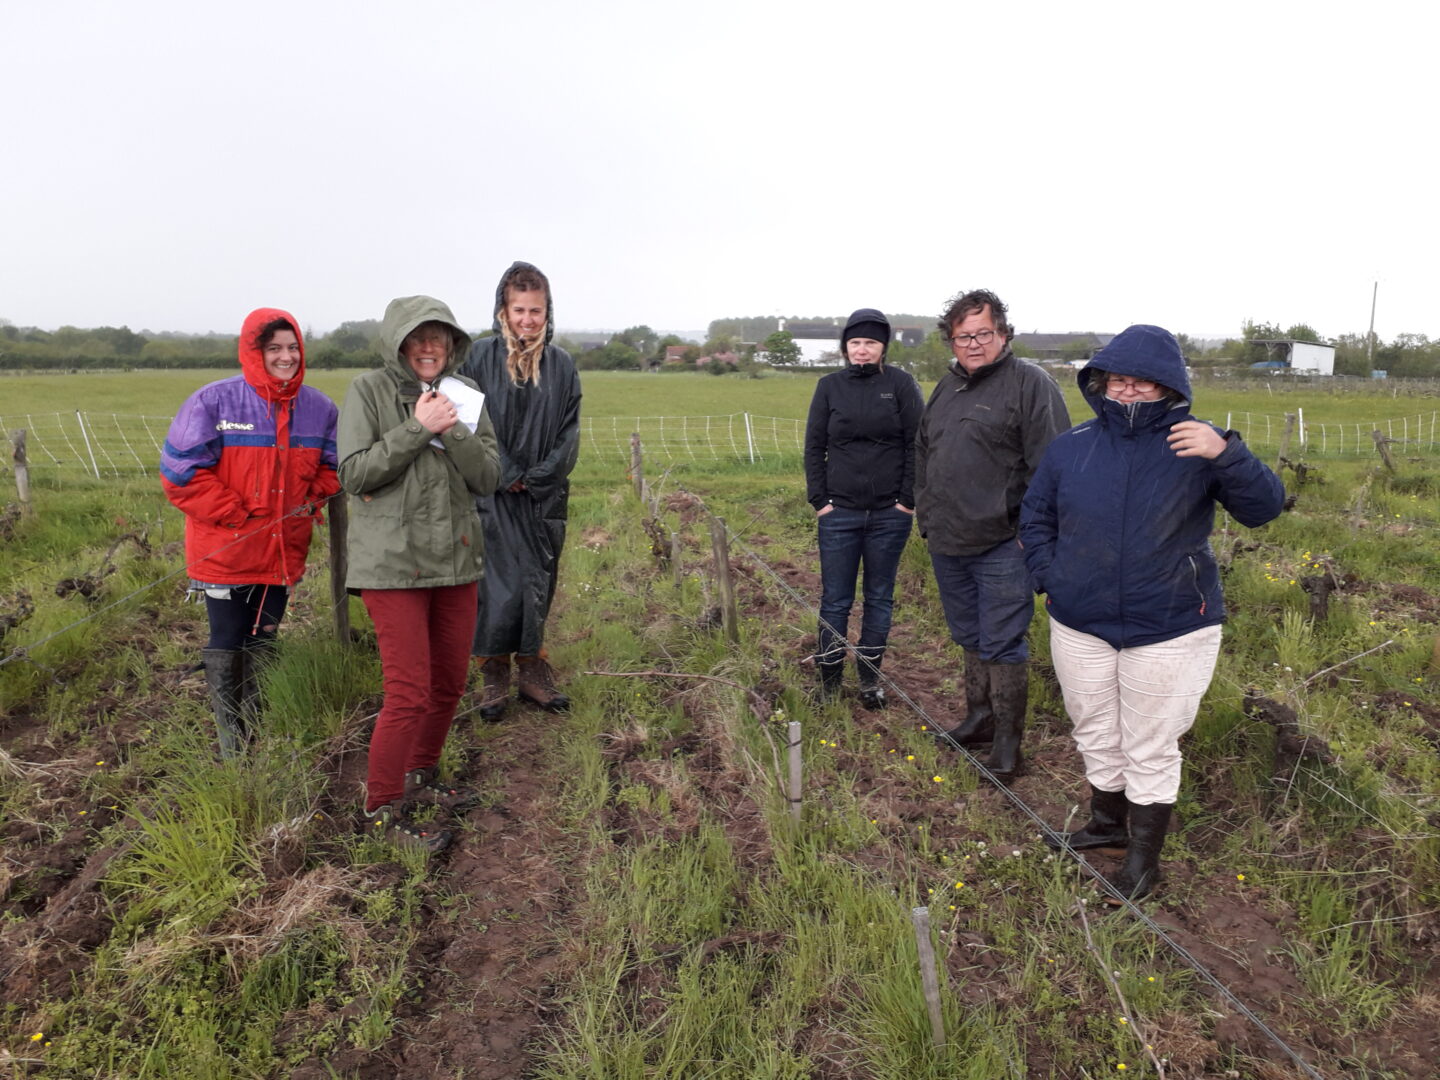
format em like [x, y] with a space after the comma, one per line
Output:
[252, 358]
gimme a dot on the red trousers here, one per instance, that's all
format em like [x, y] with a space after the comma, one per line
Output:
[424, 637]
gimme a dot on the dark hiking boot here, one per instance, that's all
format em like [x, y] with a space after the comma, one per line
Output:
[424, 786]
[225, 679]
[867, 668]
[388, 822]
[537, 684]
[979, 723]
[832, 679]
[495, 687]
[1109, 812]
[1140, 872]
[1009, 697]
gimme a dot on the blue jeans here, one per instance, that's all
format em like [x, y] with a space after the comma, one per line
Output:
[988, 601]
[850, 539]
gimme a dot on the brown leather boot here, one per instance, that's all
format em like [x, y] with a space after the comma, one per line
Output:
[537, 684]
[495, 692]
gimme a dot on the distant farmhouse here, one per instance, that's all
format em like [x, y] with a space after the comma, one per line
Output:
[1297, 357]
[1068, 347]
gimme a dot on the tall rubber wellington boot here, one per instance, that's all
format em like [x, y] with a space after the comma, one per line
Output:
[1141, 870]
[832, 679]
[1009, 698]
[979, 723]
[225, 678]
[1107, 827]
[867, 666]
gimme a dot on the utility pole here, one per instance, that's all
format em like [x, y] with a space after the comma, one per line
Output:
[1370, 338]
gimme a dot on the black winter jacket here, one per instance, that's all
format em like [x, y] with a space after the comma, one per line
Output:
[980, 441]
[860, 439]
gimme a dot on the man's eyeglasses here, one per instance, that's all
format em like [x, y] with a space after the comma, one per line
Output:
[1117, 383]
[962, 341]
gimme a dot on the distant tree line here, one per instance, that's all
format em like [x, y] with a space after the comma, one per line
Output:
[743, 345]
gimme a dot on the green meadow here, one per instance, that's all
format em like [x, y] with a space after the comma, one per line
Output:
[633, 899]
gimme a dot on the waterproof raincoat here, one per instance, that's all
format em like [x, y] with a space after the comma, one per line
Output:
[1116, 526]
[413, 522]
[250, 459]
[537, 429]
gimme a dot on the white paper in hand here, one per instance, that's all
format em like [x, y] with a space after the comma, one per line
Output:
[467, 403]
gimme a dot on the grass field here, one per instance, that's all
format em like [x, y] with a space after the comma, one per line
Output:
[632, 898]
[621, 393]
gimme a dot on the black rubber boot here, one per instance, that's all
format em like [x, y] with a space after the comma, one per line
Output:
[979, 723]
[1141, 870]
[832, 678]
[1009, 697]
[225, 678]
[867, 668]
[1109, 812]
[257, 659]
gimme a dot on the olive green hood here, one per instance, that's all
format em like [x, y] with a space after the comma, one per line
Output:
[404, 314]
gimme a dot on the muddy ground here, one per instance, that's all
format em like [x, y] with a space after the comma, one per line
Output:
[490, 970]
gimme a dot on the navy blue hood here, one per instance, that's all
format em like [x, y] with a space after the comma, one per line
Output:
[1142, 352]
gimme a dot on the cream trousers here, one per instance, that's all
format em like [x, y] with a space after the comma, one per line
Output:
[1129, 707]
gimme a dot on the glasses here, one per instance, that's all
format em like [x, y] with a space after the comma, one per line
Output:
[962, 341]
[1117, 383]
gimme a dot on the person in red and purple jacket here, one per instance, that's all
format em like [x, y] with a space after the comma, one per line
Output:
[250, 460]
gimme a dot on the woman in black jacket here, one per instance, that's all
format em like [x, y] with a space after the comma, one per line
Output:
[860, 478]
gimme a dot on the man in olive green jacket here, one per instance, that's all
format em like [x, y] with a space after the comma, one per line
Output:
[416, 547]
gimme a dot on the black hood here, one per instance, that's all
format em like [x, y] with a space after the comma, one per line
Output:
[866, 315]
[505, 280]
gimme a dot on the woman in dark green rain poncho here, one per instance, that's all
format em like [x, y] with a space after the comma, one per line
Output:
[532, 394]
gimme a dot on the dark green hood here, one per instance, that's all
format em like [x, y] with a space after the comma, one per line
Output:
[404, 314]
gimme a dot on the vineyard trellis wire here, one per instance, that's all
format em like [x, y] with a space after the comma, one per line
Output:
[115, 444]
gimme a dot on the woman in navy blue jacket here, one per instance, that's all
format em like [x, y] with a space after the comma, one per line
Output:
[1116, 527]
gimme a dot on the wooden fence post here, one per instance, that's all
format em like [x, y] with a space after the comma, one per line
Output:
[1285, 441]
[339, 566]
[720, 548]
[1383, 445]
[22, 473]
[921, 917]
[637, 464]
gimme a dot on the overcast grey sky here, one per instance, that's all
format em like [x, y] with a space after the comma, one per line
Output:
[172, 165]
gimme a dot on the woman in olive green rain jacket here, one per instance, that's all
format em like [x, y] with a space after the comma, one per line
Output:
[414, 468]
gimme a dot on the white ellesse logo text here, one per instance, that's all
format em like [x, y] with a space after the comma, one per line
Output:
[231, 425]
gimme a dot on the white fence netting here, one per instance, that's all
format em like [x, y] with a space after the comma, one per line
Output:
[112, 444]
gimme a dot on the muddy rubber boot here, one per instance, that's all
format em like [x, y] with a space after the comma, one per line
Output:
[979, 723]
[1141, 870]
[1009, 697]
[867, 669]
[225, 679]
[537, 684]
[495, 688]
[1107, 828]
[832, 679]
[258, 658]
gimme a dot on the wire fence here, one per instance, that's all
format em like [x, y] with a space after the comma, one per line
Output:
[115, 444]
